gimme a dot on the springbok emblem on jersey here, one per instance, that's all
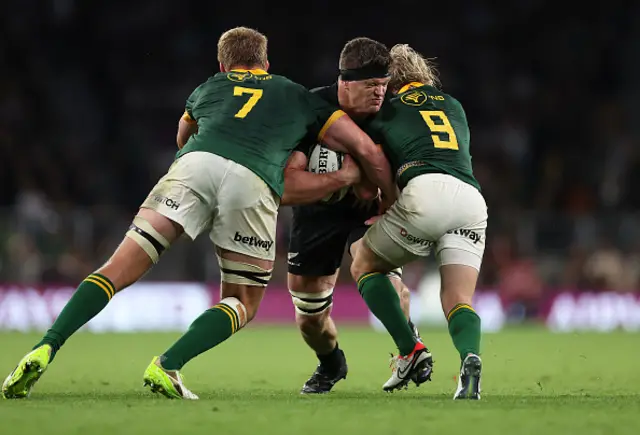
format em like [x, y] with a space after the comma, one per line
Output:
[415, 98]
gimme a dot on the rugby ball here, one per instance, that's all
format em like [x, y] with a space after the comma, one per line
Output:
[323, 160]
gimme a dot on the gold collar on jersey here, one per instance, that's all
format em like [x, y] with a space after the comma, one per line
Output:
[255, 72]
[411, 85]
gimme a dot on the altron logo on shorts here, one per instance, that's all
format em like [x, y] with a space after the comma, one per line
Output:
[253, 241]
[469, 234]
[166, 201]
[413, 239]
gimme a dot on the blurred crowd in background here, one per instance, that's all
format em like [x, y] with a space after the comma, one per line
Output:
[91, 93]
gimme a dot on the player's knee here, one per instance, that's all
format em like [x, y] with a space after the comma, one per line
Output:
[145, 235]
[312, 324]
[312, 308]
[140, 249]
[358, 268]
[458, 283]
[244, 281]
[242, 273]
[401, 288]
[240, 311]
[244, 300]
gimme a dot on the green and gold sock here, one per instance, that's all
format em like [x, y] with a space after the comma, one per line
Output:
[210, 329]
[383, 301]
[464, 328]
[91, 296]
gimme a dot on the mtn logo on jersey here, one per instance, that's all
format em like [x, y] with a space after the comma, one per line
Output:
[413, 239]
[253, 241]
[469, 234]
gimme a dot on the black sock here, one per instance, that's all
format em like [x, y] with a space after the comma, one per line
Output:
[332, 360]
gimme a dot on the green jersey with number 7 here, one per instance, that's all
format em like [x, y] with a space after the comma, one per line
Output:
[422, 131]
[255, 119]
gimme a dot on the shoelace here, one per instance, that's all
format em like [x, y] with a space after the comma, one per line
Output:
[393, 362]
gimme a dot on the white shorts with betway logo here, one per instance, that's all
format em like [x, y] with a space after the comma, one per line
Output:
[434, 211]
[205, 192]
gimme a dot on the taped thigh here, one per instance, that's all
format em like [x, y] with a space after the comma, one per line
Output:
[311, 304]
[150, 240]
[235, 272]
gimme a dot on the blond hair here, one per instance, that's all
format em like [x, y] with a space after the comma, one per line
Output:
[407, 65]
[244, 47]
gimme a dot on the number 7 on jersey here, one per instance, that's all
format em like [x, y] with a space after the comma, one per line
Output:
[256, 94]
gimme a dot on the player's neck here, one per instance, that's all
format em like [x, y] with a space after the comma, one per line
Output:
[256, 69]
[410, 85]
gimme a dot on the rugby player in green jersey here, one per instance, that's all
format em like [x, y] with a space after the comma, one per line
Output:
[227, 180]
[425, 135]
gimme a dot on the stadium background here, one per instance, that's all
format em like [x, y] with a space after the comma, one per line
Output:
[91, 92]
[90, 95]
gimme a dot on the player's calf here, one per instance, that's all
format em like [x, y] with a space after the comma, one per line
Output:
[458, 286]
[313, 298]
[370, 273]
[149, 235]
[244, 280]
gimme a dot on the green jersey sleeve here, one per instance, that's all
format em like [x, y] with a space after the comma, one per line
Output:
[191, 102]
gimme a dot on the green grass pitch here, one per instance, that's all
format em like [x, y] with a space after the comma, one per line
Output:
[534, 382]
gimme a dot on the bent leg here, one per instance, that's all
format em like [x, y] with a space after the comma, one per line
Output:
[150, 234]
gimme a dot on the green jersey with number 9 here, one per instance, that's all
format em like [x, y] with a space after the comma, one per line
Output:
[255, 119]
[422, 131]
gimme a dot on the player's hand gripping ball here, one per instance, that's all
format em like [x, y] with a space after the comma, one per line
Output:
[322, 160]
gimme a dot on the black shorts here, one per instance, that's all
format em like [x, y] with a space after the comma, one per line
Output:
[320, 232]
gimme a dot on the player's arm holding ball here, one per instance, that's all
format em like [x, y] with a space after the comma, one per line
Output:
[304, 187]
[345, 136]
[365, 190]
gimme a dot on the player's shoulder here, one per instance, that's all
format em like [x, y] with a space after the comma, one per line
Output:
[422, 95]
[445, 96]
[210, 84]
[288, 85]
[327, 93]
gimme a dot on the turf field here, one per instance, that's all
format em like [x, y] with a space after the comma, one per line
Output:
[534, 383]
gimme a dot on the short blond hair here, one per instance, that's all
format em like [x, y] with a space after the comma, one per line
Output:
[407, 65]
[242, 46]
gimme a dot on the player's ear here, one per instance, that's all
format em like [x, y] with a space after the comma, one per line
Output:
[267, 66]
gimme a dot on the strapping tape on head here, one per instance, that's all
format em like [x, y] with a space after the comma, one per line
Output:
[369, 71]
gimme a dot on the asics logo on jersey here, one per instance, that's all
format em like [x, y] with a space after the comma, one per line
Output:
[253, 241]
[413, 239]
[469, 234]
